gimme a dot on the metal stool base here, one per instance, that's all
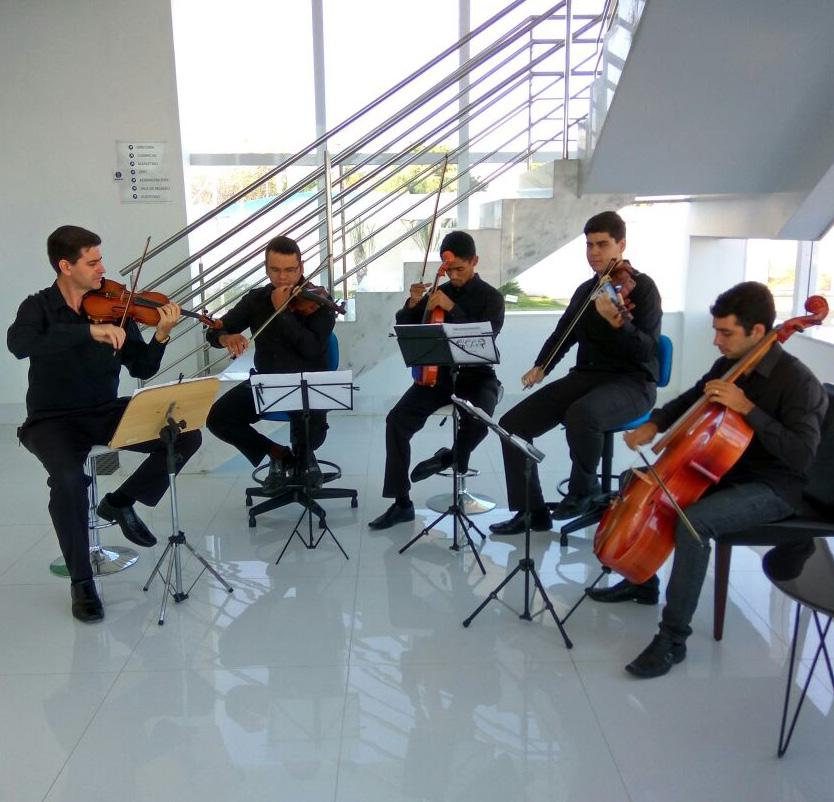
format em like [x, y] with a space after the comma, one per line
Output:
[105, 560]
[470, 503]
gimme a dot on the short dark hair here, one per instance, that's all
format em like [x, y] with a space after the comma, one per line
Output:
[606, 223]
[285, 245]
[67, 242]
[460, 244]
[751, 302]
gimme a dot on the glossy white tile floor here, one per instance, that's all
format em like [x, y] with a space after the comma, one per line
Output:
[325, 679]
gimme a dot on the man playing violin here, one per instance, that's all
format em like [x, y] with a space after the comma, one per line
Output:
[614, 381]
[72, 404]
[465, 298]
[292, 342]
[784, 405]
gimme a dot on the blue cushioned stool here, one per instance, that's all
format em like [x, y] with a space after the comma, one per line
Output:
[664, 358]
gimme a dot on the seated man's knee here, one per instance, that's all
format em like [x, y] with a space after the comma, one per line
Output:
[68, 482]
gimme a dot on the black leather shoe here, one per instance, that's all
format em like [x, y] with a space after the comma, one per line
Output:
[278, 475]
[441, 460]
[132, 526]
[312, 474]
[647, 593]
[539, 522]
[86, 605]
[394, 515]
[657, 658]
[571, 507]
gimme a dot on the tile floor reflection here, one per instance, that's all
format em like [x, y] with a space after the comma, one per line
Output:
[354, 681]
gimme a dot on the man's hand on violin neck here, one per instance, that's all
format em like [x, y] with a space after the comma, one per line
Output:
[607, 309]
[109, 334]
[439, 298]
[169, 314]
[280, 296]
[728, 394]
[235, 344]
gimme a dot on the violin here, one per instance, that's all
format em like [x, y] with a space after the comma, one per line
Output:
[310, 298]
[637, 531]
[617, 285]
[110, 302]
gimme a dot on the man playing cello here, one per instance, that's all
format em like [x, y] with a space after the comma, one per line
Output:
[784, 404]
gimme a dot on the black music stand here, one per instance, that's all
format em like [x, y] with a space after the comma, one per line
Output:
[152, 413]
[449, 345]
[293, 392]
[526, 564]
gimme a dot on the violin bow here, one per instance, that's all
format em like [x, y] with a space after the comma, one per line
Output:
[134, 283]
[600, 279]
[434, 217]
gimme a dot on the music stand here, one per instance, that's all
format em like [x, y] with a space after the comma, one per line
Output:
[526, 564]
[449, 345]
[293, 392]
[152, 413]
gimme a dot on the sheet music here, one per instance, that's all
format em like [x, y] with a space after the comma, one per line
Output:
[471, 343]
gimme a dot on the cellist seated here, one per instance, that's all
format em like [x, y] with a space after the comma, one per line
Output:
[784, 405]
[465, 298]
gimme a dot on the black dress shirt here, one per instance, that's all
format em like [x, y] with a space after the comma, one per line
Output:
[291, 343]
[786, 421]
[474, 302]
[68, 369]
[630, 349]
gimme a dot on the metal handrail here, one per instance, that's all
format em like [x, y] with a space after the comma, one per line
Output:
[391, 157]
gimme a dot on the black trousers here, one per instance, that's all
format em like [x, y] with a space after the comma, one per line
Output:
[62, 444]
[232, 415]
[588, 404]
[410, 413]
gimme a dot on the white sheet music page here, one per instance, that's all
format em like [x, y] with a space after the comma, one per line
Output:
[471, 343]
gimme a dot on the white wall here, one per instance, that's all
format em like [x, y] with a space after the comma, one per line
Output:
[78, 76]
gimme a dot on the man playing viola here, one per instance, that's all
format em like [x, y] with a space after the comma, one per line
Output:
[292, 342]
[614, 381]
[72, 404]
[784, 405]
[465, 298]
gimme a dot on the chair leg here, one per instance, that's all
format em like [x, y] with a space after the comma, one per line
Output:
[723, 554]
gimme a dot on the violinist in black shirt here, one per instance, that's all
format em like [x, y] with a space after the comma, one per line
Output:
[465, 298]
[614, 381]
[72, 404]
[292, 343]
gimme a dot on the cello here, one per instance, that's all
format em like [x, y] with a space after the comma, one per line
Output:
[637, 531]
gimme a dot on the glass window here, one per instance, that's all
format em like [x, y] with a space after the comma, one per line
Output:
[822, 271]
[774, 262]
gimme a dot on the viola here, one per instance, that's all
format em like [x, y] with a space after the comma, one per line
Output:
[637, 531]
[109, 303]
[429, 373]
[617, 285]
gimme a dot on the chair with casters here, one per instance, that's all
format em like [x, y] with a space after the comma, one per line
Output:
[814, 518]
[104, 559]
[664, 358]
[296, 491]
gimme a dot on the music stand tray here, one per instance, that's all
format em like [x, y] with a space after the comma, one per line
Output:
[303, 392]
[163, 412]
[527, 565]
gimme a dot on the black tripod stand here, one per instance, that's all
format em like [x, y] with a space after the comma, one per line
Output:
[330, 394]
[168, 435]
[526, 565]
[460, 520]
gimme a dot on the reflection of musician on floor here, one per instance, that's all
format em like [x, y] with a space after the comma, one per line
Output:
[291, 343]
[465, 298]
[784, 404]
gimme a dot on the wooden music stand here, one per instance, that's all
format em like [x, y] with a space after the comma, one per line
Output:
[164, 411]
